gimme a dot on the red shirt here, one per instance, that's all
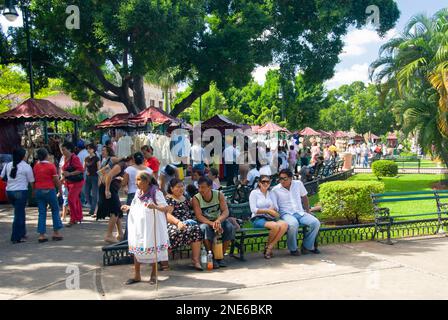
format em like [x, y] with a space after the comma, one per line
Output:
[43, 174]
[75, 163]
[153, 164]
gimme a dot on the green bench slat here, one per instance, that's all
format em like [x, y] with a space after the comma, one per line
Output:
[403, 199]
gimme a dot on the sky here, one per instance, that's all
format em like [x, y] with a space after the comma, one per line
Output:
[361, 46]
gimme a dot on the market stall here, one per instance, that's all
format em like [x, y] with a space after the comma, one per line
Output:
[27, 126]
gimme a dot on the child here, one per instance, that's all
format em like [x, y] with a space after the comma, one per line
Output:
[147, 226]
[213, 175]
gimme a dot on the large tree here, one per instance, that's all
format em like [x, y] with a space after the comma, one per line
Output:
[359, 107]
[219, 42]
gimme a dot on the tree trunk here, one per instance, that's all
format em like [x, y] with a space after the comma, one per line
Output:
[139, 93]
[188, 101]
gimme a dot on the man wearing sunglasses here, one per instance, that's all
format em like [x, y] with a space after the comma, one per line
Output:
[291, 201]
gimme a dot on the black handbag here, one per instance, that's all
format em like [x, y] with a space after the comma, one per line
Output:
[76, 178]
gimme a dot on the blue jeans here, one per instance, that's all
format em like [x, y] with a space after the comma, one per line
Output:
[46, 197]
[91, 191]
[18, 199]
[294, 222]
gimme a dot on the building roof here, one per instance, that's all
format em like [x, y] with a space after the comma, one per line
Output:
[38, 109]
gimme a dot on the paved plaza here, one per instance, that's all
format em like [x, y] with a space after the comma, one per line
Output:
[411, 269]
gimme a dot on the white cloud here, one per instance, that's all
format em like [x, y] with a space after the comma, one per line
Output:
[356, 41]
[259, 73]
[357, 72]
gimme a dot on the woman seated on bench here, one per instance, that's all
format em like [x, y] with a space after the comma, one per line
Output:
[265, 216]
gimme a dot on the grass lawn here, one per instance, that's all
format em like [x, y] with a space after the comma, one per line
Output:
[404, 183]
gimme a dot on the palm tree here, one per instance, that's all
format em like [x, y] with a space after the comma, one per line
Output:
[418, 56]
[165, 79]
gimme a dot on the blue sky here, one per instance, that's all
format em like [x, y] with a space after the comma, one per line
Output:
[362, 46]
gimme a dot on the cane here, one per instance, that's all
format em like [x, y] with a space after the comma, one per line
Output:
[156, 248]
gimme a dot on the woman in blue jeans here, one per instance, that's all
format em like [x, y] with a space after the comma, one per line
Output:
[18, 175]
[45, 185]
[265, 216]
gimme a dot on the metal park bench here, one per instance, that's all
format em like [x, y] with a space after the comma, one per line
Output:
[242, 212]
[384, 220]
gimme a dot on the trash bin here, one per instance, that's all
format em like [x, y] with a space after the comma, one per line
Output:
[347, 160]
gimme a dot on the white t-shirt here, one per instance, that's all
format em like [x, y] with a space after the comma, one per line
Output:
[197, 154]
[231, 154]
[253, 173]
[265, 171]
[289, 201]
[24, 176]
[257, 201]
[82, 155]
[132, 173]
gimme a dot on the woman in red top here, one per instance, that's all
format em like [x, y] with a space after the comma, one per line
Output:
[73, 173]
[46, 180]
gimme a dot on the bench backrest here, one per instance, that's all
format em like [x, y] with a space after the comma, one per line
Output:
[409, 196]
[240, 210]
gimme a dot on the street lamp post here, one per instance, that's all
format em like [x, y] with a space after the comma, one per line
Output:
[280, 96]
[10, 13]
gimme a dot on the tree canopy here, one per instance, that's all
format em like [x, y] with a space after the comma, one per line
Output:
[218, 42]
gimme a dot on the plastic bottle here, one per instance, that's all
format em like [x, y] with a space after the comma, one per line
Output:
[203, 258]
[210, 261]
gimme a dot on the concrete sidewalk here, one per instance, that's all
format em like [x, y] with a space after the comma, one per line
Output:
[411, 269]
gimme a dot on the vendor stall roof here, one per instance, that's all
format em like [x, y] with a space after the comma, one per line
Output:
[38, 109]
[155, 115]
[272, 127]
[309, 132]
[340, 134]
[220, 122]
[117, 121]
[392, 136]
[324, 133]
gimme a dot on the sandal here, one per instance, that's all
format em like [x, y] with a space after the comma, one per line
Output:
[268, 252]
[164, 267]
[152, 281]
[56, 238]
[131, 282]
[43, 240]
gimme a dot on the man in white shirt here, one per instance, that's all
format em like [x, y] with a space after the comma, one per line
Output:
[197, 157]
[290, 199]
[252, 175]
[231, 155]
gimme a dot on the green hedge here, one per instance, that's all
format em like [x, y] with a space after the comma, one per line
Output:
[348, 199]
[385, 168]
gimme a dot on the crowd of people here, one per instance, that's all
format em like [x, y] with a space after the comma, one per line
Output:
[160, 211]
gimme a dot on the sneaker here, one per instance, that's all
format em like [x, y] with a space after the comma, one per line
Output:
[295, 253]
[306, 251]
[221, 263]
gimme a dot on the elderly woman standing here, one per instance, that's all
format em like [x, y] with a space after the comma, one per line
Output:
[47, 180]
[18, 175]
[147, 226]
[183, 229]
[73, 173]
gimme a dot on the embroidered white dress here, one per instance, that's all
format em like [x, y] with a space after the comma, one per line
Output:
[147, 233]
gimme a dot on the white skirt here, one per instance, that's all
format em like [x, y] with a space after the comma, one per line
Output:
[148, 238]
